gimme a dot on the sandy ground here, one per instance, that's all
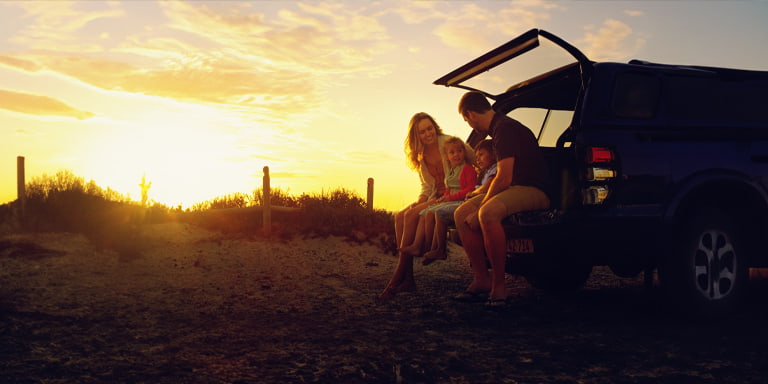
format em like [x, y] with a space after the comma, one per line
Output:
[198, 307]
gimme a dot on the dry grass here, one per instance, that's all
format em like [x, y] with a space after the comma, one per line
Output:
[67, 203]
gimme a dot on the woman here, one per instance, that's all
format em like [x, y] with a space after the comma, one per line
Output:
[423, 151]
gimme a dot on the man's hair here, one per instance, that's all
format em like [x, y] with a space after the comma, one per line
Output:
[475, 102]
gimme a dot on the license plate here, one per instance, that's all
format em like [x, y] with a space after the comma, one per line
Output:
[520, 246]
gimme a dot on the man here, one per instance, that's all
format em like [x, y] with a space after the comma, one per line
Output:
[520, 185]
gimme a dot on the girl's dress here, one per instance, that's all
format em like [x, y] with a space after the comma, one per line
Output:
[458, 182]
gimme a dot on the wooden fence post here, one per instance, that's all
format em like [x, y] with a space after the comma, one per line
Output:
[20, 187]
[370, 193]
[266, 204]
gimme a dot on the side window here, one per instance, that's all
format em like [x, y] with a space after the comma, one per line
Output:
[691, 98]
[554, 127]
[547, 127]
[636, 95]
[712, 100]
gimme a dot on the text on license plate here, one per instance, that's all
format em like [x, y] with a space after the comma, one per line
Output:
[520, 246]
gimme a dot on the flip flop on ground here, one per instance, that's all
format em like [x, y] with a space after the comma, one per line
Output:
[471, 297]
[495, 303]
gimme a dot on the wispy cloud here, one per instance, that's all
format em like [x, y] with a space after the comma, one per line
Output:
[614, 40]
[477, 27]
[56, 22]
[19, 63]
[39, 105]
[229, 54]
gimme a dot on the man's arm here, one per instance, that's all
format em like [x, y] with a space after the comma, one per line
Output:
[503, 178]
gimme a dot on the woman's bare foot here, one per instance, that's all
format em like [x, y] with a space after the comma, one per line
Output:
[433, 255]
[390, 291]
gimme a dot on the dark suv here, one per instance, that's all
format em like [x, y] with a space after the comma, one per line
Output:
[656, 166]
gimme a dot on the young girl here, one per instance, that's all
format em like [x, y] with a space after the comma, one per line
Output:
[459, 180]
[486, 161]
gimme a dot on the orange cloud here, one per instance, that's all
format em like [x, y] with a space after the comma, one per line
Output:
[203, 80]
[612, 41]
[475, 28]
[24, 65]
[210, 53]
[39, 105]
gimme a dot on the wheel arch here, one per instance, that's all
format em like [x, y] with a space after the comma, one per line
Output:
[730, 192]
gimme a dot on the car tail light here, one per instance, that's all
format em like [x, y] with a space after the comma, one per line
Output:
[598, 175]
[594, 195]
[599, 155]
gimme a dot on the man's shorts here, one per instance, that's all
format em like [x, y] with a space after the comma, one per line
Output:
[518, 198]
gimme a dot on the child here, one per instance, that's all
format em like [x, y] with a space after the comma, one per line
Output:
[459, 180]
[486, 161]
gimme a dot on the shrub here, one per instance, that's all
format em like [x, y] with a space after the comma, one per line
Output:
[338, 213]
[233, 200]
[342, 213]
[65, 202]
[277, 197]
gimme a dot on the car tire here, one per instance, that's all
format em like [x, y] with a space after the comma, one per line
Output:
[707, 268]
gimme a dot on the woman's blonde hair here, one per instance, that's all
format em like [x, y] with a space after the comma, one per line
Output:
[413, 145]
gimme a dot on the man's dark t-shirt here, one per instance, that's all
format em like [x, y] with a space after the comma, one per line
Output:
[512, 139]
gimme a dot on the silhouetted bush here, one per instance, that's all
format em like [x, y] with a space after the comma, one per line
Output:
[233, 200]
[277, 197]
[67, 203]
[339, 212]
[335, 213]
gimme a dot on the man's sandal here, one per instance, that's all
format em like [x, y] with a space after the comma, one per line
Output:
[495, 303]
[471, 297]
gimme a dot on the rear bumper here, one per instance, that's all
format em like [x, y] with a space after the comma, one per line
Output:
[597, 240]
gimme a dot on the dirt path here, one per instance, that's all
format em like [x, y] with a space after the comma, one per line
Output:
[196, 307]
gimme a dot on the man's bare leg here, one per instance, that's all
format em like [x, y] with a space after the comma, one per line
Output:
[494, 241]
[472, 241]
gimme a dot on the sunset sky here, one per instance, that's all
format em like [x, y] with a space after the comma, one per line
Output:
[200, 96]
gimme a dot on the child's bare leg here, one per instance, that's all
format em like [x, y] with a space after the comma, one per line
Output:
[438, 244]
[441, 232]
[414, 249]
[429, 229]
